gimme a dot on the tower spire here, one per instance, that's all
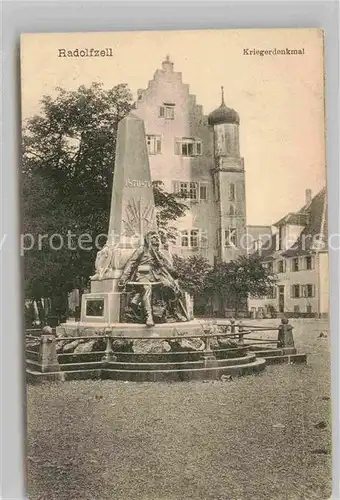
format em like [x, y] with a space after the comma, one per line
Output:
[222, 94]
[167, 64]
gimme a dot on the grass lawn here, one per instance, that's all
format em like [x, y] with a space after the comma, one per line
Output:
[253, 438]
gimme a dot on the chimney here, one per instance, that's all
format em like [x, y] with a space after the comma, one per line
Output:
[308, 196]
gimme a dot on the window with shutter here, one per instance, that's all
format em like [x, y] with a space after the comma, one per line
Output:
[177, 147]
[175, 187]
[310, 289]
[281, 266]
[309, 262]
[193, 238]
[154, 144]
[230, 237]
[188, 147]
[167, 111]
[295, 264]
[184, 239]
[203, 191]
[218, 237]
[183, 189]
[195, 191]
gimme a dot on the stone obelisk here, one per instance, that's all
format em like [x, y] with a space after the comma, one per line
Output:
[132, 215]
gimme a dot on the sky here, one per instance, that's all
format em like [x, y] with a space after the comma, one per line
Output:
[279, 98]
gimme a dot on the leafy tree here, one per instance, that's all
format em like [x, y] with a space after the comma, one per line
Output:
[235, 281]
[168, 208]
[67, 170]
[192, 273]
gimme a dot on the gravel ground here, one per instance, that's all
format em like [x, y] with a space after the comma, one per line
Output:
[253, 438]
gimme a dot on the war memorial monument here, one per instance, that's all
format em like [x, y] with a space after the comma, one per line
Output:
[134, 285]
[136, 322]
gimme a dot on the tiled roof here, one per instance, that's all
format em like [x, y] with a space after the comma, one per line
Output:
[315, 216]
[297, 219]
[317, 225]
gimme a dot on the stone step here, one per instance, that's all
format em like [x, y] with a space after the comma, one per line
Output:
[235, 352]
[179, 365]
[211, 373]
[164, 357]
[287, 358]
[37, 377]
[264, 353]
[185, 375]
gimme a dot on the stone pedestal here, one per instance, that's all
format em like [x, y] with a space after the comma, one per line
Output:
[48, 357]
[129, 330]
[101, 307]
[132, 215]
[103, 303]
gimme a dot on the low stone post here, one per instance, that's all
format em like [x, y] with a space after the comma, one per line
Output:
[285, 337]
[241, 333]
[48, 357]
[109, 356]
[232, 325]
[208, 353]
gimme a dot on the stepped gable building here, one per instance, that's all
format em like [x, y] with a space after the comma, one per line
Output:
[197, 156]
[298, 255]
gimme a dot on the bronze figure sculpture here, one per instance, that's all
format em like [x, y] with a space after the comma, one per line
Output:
[154, 290]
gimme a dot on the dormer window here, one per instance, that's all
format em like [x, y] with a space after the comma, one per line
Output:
[167, 111]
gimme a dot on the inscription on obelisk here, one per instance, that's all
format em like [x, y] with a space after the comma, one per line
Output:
[132, 215]
[132, 205]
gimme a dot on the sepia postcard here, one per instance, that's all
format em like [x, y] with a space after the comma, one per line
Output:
[175, 247]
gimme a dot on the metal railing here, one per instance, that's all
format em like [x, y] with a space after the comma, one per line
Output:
[46, 355]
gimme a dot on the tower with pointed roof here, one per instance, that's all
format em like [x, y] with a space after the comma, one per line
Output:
[229, 182]
[197, 156]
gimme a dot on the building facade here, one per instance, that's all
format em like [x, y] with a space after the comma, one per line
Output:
[197, 156]
[298, 254]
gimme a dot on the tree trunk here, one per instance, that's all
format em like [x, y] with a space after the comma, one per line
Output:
[236, 306]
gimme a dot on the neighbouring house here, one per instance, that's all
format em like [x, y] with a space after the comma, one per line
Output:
[298, 254]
